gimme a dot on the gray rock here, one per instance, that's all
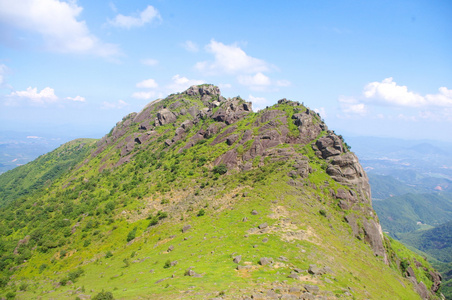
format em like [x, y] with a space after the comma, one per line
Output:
[314, 270]
[436, 279]
[422, 290]
[237, 259]
[254, 212]
[186, 228]
[265, 261]
[312, 288]
[289, 297]
[263, 225]
[307, 296]
[170, 248]
[165, 116]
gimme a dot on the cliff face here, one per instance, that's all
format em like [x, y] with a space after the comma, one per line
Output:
[264, 205]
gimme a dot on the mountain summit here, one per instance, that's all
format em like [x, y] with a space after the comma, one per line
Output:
[197, 196]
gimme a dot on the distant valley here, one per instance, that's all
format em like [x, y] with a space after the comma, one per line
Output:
[412, 194]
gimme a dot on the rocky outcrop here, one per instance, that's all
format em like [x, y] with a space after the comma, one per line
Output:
[232, 110]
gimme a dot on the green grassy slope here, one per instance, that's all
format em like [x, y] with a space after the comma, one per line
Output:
[138, 218]
[40, 173]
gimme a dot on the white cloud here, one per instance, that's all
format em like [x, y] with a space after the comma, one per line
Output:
[77, 99]
[150, 62]
[257, 80]
[388, 92]
[137, 20]
[144, 95]
[179, 84]
[230, 59]
[443, 98]
[57, 23]
[148, 84]
[33, 137]
[352, 106]
[45, 96]
[190, 46]
[114, 105]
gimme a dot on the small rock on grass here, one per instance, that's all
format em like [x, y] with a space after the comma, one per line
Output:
[263, 225]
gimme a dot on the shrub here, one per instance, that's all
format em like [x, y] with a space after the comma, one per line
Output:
[220, 169]
[201, 212]
[108, 254]
[167, 264]
[104, 296]
[131, 234]
[72, 276]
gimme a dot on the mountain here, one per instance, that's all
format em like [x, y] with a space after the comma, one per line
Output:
[199, 197]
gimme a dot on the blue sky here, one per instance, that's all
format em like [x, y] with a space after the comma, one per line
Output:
[371, 68]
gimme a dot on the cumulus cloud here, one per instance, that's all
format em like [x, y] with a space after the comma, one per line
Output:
[139, 19]
[77, 99]
[388, 92]
[257, 80]
[148, 84]
[230, 59]
[179, 83]
[114, 105]
[443, 98]
[57, 23]
[190, 46]
[31, 95]
[150, 62]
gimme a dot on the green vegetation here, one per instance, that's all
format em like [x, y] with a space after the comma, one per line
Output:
[406, 213]
[41, 172]
[135, 220]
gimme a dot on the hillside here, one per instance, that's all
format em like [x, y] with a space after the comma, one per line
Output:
[198, 197]
[40, 173]
[436, 242]
[410, 212]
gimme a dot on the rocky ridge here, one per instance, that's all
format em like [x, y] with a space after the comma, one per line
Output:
[251, 147]
[342, 165]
